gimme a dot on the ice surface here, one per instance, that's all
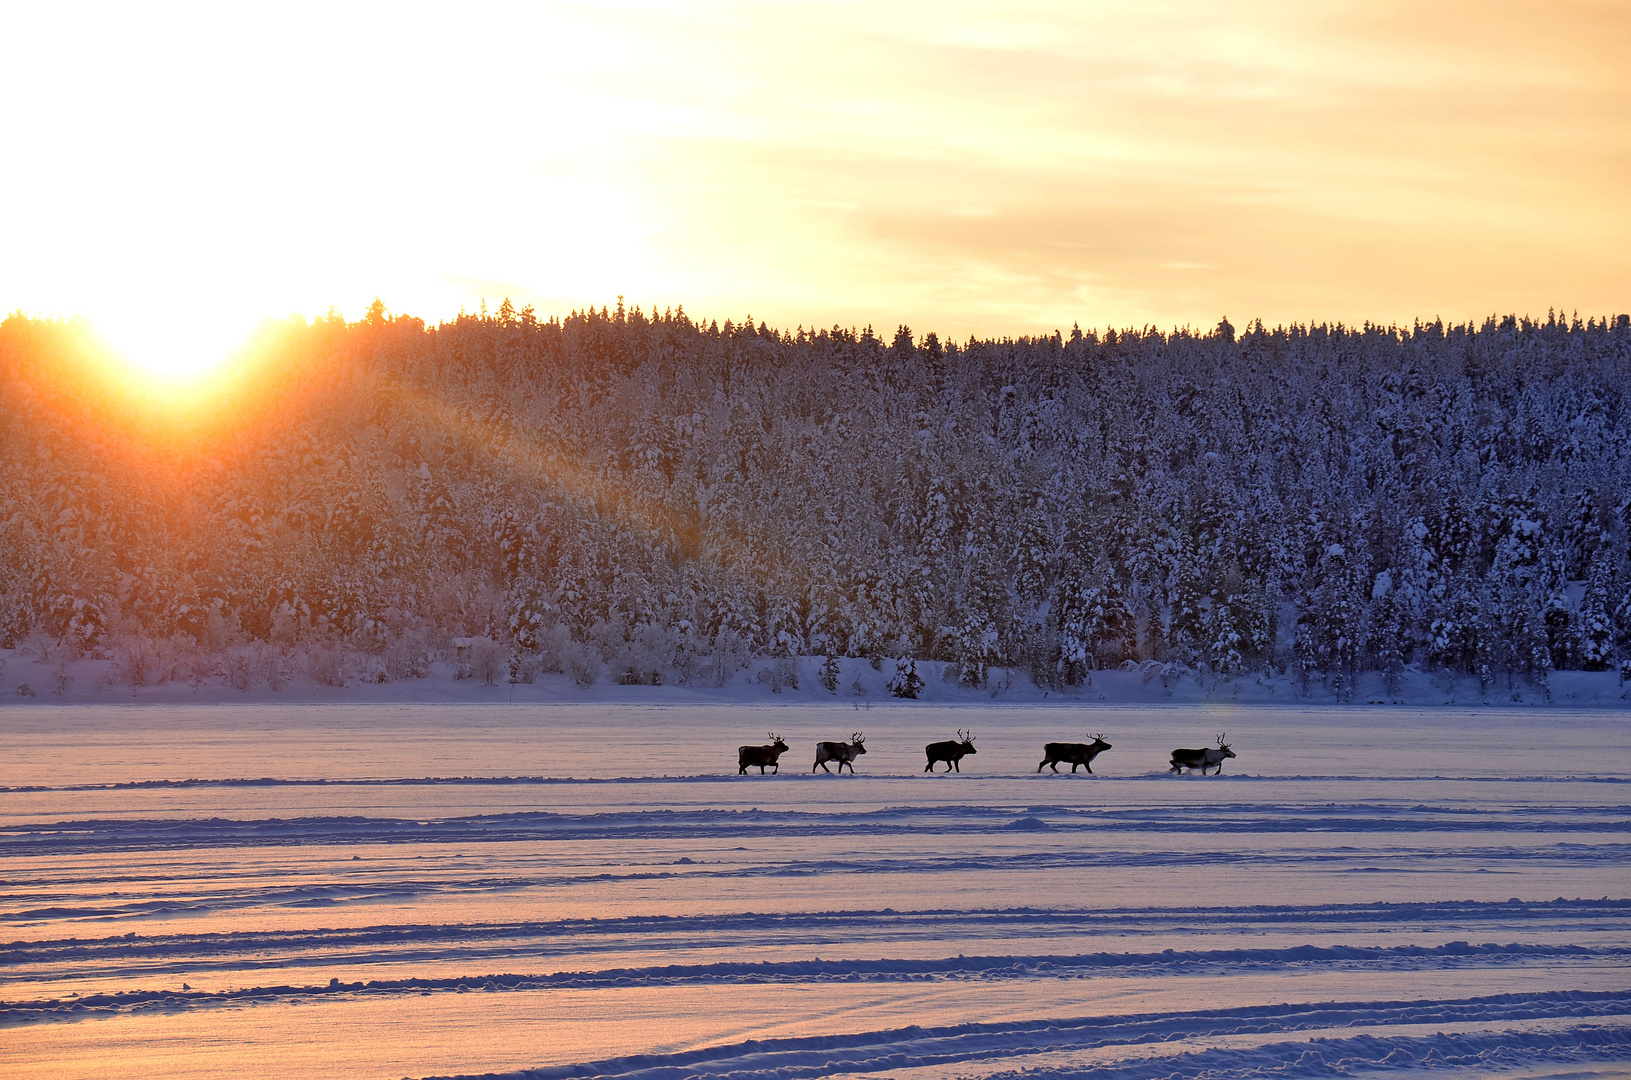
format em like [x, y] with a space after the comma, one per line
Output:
[589, 890]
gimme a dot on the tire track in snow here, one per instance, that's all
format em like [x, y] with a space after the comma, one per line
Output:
[145, 833]
[41, 903]
[1606, 1046]
[993, 1043]
[436, 941]
[1303, 958]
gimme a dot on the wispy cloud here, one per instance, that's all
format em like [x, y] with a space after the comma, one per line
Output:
[963, 167]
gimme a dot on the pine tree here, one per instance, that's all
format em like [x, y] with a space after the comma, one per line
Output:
[1385, 634]
[831, 672]
[1331, 616]
[1596, 624]
[906, 682]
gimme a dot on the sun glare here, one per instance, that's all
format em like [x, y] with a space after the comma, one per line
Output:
[170, 361]
[173, 352]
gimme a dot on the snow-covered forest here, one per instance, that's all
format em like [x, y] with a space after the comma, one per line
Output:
[631, 497]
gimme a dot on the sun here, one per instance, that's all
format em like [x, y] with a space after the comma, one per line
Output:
[169, 356]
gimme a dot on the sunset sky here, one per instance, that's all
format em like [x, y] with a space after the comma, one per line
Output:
[176, 173]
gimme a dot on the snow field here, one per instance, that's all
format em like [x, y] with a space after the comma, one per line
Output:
[591, 891]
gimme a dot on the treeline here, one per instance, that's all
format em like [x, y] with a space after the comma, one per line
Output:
[634, 496]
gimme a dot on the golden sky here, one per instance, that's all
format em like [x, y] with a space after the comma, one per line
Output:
[175, 173]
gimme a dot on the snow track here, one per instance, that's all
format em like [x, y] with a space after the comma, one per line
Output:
[1212, 963]
[1224, 818]
[914, 1050]
[989, 1044]
[423, 899]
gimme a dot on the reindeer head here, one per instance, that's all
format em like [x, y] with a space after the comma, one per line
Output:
[857, 739]
[967, 739]
[1099, 744]
[1224, 746]
[776, 743]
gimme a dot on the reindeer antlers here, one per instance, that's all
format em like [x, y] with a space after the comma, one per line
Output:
[964, 736]
[1221, 735]
[774, 737]
[859, 736]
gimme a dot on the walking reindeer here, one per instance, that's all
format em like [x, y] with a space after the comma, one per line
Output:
[1205, 759]
[760, 756]
[844, 753]
[951, 751]
[1073, 753]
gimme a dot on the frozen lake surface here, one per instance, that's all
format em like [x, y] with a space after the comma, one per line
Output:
[591, 890]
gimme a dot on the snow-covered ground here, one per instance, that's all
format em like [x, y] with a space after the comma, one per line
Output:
[588, 889]
[37, 675]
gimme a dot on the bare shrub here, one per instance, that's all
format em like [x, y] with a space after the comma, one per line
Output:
[580, 663]
[644, 656]
[275, 667]
[1170, 673]
[487, 662]
[782, 674]
[323, 665]
[690, 663]
[554, 642]
[730, 655]
[137, 662]
[241, 673]
[194, 669]
[408, 658]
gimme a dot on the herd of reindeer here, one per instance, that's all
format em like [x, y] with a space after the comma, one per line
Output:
[953, 751]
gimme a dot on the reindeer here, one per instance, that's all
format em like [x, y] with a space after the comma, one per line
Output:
[844, 753]
[1203, 759]
[1076, 753]
[760, 755]
[951, 751]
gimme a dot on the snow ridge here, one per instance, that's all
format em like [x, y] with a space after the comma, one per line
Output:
[523, 826]
[912, 1047]
[1403, 957]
